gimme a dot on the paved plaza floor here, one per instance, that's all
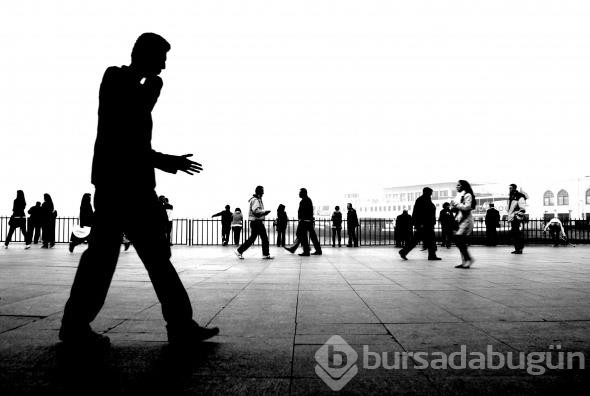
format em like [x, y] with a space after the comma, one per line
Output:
[276, 315]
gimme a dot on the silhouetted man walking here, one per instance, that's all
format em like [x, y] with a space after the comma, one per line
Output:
[492, 222]
[424, 218]
[125, 201]
[305, 228]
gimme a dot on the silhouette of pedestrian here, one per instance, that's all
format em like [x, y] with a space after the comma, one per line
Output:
[126, 201]
[447, 222]
[168, 208]
[352, 223]
[281, 223]
[257, 228]
[305, 228]
[424, 218]
[492, 221]
[86, 220]
[337, 227]
[516, 217]
[236, 225]
[49, 214]
[35, 222]
[226, 219]
[464, 203]
[555, 228]
[403, 229]
[18, 220]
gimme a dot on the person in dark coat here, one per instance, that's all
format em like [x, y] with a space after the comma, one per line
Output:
[305, 228]
[125, 201]
[492, 221]
[226, 217]
[86, 221]
[424, 219]
[35, 222]
[516, 217]
[49, 214]
[403, 229]
[18, 220]
[447, 222]
[337, 226]
[352, 223]
[281, 223]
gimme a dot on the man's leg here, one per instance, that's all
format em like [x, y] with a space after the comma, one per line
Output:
[92, 280]
[430, 242]
[314, 239]
[9, 236]
[304, 236]
[263, 238]
[411, 243]
[253, 235]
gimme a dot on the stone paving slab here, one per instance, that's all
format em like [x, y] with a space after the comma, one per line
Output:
[275, 316]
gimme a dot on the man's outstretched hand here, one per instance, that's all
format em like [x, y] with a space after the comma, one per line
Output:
[188, 166]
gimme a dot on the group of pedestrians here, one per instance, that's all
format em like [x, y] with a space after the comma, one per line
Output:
[40, 224]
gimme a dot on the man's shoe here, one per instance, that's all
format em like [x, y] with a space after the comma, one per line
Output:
[402, 255]
[434, 258]
[71, 247]
[304, 254]
[516, 252]
[52, 244]
[461, 266]
[290, 250]
[190, 335]
[333, 245]
[316, 253]
[44, 246]
[267, 257]
[83, 339]
[27, 246]
[238, 254]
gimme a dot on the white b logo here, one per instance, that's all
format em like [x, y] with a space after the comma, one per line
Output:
[336, 363]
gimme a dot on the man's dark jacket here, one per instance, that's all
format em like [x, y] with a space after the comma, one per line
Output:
[123, 155]
[424, 214]
[305, 211]
[492, 218]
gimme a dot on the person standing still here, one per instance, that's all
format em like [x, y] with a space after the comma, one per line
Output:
[352, 223]
[337, 227]
[492, 221]
[237, 220]
[35, 222]
[226, 219]
[516, 210]
[256, 216]
[281, 223]
[447, 222]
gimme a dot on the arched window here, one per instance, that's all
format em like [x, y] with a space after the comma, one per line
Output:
[548, 199]
[588, 196]
[563, 198]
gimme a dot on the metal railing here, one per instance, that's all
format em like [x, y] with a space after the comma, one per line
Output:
[371, 232]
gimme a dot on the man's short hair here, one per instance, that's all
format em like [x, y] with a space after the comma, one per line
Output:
[337, 207]
[259, 189]
[491, 204]
[303, 190]
[148, 44]
[427, 190]
[513, 186]
[227, 207]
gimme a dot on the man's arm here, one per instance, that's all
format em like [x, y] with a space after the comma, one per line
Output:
[174, 163]
[218, 214]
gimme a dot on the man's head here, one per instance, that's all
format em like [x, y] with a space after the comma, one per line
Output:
[337, 208]
[427, 191]
[491, 204]
[149, 53]
[405, 211]
[259, 191]
[512, 187]
[446, 205]
[227, 207]
[349, 206]
[303, 193]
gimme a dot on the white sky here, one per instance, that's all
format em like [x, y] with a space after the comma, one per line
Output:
[337, 96]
